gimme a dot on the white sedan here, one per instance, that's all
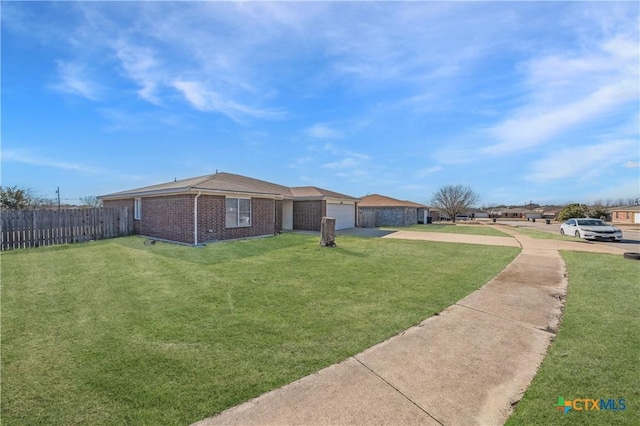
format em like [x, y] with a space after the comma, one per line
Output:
[591, 229]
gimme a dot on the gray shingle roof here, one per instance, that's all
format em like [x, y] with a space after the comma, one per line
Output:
[229, 183]
[377, 200]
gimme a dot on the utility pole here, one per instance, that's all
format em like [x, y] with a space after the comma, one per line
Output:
[58, 192]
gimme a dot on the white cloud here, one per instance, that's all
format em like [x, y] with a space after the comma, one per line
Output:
[567, 90]
[141, 66]
[133, 121]
[205, 99]
[323, 131]
[343, 164]
[585, 162]
[17, 156]
[632, 164]
[532, 128]
[348, 164]
[74, 79]
[428, 171]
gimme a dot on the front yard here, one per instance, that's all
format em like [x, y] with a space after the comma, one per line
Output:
[120, 332]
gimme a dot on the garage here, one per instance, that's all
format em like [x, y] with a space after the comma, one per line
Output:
[343, 213]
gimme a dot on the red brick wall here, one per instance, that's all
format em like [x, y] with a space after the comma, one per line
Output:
[212, 223]
[171, 218]
[622, 216]
[307, 215]
[278, 225]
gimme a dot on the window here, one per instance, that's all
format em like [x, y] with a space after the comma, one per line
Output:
[137, 208]
[238, 212]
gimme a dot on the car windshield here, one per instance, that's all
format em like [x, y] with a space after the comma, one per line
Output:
[591, 222]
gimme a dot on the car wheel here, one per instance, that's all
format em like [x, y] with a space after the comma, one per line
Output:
[561, 231]
[577, 234]
[631, 255]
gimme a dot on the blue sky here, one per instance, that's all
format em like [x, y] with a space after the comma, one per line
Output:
[534, 101]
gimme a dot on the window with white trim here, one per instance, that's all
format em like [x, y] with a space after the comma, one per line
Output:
[137, 208]
[238, 212]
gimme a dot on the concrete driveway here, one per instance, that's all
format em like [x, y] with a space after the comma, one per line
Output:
[364, 232]
[455, 238]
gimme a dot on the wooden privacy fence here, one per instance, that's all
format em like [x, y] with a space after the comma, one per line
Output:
[36, 228]
[367, 218]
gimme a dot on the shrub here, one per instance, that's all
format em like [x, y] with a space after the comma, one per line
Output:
[573, 210]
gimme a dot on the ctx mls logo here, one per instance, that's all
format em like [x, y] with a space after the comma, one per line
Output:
[588, 404]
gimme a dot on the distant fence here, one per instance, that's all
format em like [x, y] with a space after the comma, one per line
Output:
[367, 218]
[37, 228]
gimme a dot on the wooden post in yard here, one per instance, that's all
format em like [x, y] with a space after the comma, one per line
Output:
[328, 232]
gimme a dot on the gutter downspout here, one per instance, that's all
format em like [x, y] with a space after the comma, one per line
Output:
[195, 218]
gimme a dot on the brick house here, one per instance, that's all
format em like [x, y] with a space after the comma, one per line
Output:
[225, 206]
[515, 213]
[629, 214]
[378, 210]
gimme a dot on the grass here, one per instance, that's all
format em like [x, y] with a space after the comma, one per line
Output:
[118, 332]
[541, 235]
[452, 229]
[596, 351]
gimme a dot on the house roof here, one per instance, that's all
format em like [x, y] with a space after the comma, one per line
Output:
[625, 209]
[229, 183]
[313, 192]
[218, 182]
[377, 200]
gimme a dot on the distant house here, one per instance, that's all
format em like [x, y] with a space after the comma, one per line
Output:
[379, 210]
[515, 213]
[476, 214]
[628, 214]
[225, 206]
[549, 214]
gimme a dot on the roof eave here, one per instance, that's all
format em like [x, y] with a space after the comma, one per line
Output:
[189, 190]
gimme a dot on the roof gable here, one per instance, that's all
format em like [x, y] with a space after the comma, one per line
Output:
[230, 183]
[219, 182]
[313, 192]
[377, 200]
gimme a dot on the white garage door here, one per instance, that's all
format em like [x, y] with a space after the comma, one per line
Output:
[344, 214]
[636, 218]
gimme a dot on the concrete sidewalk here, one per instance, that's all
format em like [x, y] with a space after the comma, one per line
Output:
[455, 238]
[466, 365]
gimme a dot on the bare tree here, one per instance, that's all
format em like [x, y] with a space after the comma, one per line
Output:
[91, 200]
[454, 199]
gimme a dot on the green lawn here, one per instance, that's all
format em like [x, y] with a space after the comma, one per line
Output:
[596, 351]
[452, 228]
[541, 235]
[118, 332]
